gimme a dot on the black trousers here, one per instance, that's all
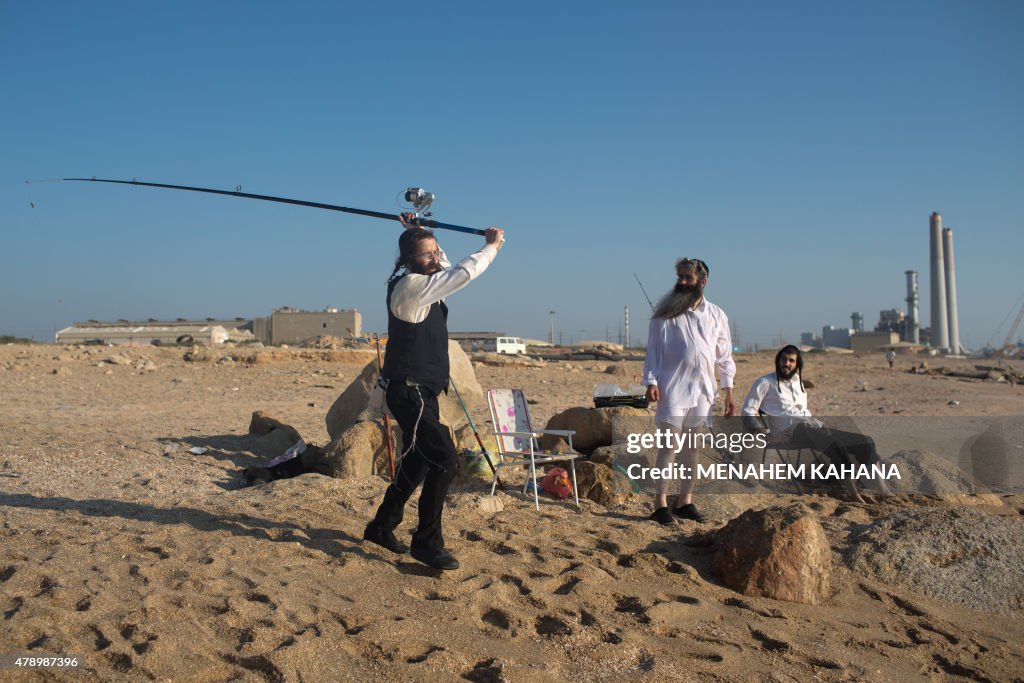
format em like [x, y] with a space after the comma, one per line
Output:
[429, 459]
[841, 448]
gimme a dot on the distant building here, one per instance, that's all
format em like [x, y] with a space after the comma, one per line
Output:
[838, 337]
[891, 320]
[291, 326]
[871, 341]
[284, 326]
[810, 339]
[150, 332]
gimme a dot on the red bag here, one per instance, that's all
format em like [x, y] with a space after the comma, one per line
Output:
[557, 482]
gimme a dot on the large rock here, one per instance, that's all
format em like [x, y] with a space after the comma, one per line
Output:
[350, 407]
[779, 552]
[593, 426]
[962, 556]
[601, 484]
[361, 451]
[923, 472]
[271, 436]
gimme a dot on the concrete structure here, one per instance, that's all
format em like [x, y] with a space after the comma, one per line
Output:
[871, 341]
[939, 321]
[838, 337]
[950, 274]
[810, 339]
[150, 332]
[912, 329]
[890, 320]
[857, 319]
[291, 326]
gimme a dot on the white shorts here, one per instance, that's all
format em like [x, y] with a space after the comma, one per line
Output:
[688, 418]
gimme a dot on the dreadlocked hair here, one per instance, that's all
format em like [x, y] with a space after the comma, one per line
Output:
[406, 242]
[786, 350]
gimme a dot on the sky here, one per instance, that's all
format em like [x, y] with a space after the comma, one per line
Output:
[797, 147]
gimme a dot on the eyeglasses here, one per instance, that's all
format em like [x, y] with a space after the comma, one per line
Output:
[428, 255]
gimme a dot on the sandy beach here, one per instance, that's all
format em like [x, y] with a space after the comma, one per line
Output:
[148, 561]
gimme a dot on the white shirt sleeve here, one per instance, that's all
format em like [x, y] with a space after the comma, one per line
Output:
[652, 362]
[723, 355]
[755, 397]
[415, 294]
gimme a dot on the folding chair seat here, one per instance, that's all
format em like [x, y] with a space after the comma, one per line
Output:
[517, 440]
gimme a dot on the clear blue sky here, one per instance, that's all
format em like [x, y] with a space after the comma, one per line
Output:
[797, 147]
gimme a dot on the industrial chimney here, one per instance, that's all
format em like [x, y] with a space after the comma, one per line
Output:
[940, 323]
[913, 334]
[858, 322]
[950, 274]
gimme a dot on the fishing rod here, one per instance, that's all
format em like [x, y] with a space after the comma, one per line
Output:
[644, 291]
[419, 197]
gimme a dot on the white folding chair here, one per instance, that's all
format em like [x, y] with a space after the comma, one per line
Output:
[518, 441]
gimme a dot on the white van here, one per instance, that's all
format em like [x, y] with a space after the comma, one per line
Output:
[512, 345]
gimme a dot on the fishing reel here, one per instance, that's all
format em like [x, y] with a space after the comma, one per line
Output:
[420, 199]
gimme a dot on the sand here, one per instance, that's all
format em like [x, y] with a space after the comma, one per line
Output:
[122, 547]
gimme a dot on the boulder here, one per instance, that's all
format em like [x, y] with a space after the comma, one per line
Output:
[779, 553]
[350, 407]
[361, 451]
[601, 484]
[961, 556]
[272, 437]
[593, 426]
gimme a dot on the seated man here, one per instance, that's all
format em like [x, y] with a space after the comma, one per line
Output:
[781, 397]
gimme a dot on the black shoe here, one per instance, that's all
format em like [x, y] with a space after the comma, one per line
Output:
[385, 538]
[438, 558]
[662, 516]
[688, 511]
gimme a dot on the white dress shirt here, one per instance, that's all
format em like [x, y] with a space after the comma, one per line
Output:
[682, 355]
[783, 401]
[414, 294]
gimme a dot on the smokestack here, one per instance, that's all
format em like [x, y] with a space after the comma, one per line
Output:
[940, 324]
[625, 345]
[913, 319]
[858, 321]
[954, 325]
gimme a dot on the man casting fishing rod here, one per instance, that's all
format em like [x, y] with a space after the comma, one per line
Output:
[416, 371]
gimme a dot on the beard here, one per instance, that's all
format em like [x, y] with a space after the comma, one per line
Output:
[785, 375]
[421, 269]
[680, 300]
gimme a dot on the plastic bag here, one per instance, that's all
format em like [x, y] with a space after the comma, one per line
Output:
[557, 482]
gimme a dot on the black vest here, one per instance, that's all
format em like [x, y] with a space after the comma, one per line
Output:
[418, 352]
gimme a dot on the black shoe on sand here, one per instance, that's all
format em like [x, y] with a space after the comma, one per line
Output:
[385, 538]
[438, 558]
[662, 516]
[688, 511]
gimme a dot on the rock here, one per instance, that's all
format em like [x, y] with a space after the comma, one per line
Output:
[601, 484]
[119, 359]
[61, 371]
[605, 455]
[350, 407]
[960, 556]
[490, 504]
[593, 426]
[779, 553]
[923, 472]
[360, 452]
[273, 436]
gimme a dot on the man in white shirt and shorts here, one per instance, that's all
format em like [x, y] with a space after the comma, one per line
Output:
[687, 341]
